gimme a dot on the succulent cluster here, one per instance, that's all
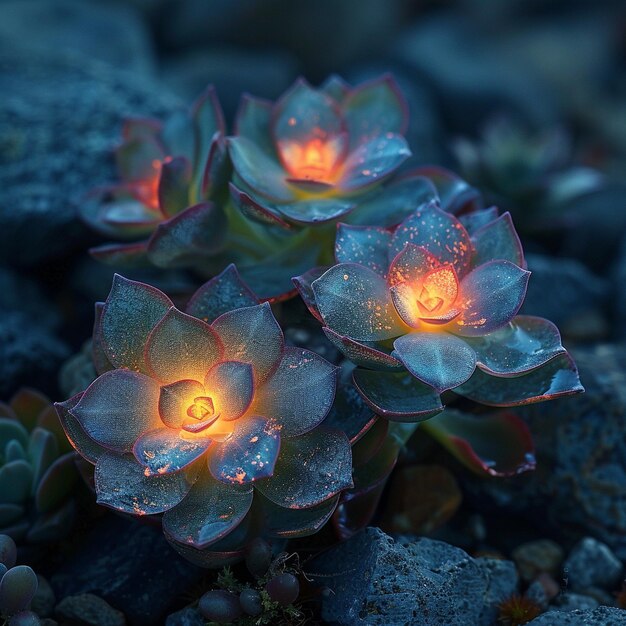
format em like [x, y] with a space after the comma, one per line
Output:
[207, 417]
[18, 585]
[37, 470]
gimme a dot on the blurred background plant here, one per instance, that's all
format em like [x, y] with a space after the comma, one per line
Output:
[38, 475]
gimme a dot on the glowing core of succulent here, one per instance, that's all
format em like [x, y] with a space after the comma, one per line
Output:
[315, 159]
[437, 291]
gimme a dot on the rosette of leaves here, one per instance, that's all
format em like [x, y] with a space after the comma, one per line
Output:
[430, 307]
[529, 173]
[37, 470]
[167, 205]
[311, 158]
[208, 418]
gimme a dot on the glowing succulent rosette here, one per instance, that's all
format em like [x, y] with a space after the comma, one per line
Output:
[308, 157]
[209, 418]
[170, 172]
[431, 306]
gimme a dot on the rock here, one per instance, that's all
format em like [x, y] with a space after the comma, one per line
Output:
[579, 486]
[88, 610]
[56, 145]
[534, 557]
[131, 566]
[376, 581]
[571, 601]
[471, 73]
[109, 32]
[185, 617]
[536, 593]
[233, 72]
[591, 563]
[29, 354]
[602, 616]
[566, 292]
[502, 583]
[44, 600]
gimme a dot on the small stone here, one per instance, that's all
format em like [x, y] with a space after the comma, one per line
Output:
[571, 601]
[44, 601]
[602, 616]
[536, 592]
[89, 610]
[591, 563]
[188, 616]
[534, 557]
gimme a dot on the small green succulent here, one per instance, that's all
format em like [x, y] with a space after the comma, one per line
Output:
[37, 470]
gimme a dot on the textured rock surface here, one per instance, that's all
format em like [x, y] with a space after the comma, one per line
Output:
[377, 581]
[592, 564]
[88, 610]
[602, 616]
[56, 145]
[131, 566]
[579, 487]
[29, 354]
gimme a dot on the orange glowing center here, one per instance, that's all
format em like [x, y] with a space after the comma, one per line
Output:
[438, 291]
[203, 411]
[314, 160]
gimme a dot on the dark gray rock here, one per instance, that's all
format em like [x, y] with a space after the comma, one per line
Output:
[29, 354]
[185, 617]
[567, 293]
[534, 557]
[56, 145]
[536, 593]
[571, 601]
[108, 32]
[131, 566]
[375, 580]
[88, 610]
[602, 616]
[579, 486]
[233, 72]
[591, 563]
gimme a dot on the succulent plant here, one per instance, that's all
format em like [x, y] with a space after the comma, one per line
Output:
[18, 585]
[207, 417]
[430, 307]
[170, 173]
[37, 470]
[311, 156]
[531, 174]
